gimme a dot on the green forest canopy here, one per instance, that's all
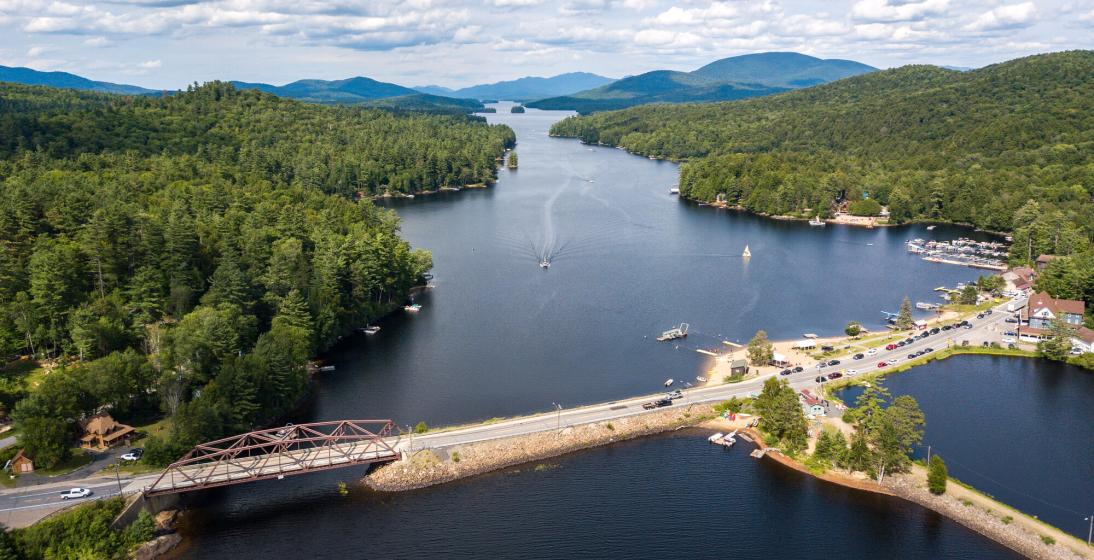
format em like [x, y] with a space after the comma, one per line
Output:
[969, 147]
[193, 251]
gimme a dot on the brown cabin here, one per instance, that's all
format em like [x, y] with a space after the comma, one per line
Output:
[21, 464]
[102, 432]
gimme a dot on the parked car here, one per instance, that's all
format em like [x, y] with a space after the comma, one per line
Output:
[890, 347]
[928, 350]
[947, 327]
[835, 375]
[827, 348]
[1010, 320]
[893, 360]
[820, 365]
[1010, 333]
[901, 344]
[821, 379]
[935, 330]
[871, 352]
[882, 364]
[1009, 340]
[284, 432]
[677, 394]
[785, 372]
[134, 454]
[858, 356]
[799, 369]
[851, 372]
[833, 362]
[987, 312]
[913, 356]
[75, 493]
[649, 405]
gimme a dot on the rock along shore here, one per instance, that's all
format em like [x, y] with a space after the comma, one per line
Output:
[437, 466]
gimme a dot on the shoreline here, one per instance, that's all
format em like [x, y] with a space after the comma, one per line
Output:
[961, 503]
[975, 511]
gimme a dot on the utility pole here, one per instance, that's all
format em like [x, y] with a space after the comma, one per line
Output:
[558, 418]
[928, 455]
[1090, 531]
[118, 476]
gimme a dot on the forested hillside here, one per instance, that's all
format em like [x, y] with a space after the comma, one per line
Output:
[972, 147]
[186, 255]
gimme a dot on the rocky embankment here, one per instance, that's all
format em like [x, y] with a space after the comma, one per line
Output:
[996, 521]
[437, 466]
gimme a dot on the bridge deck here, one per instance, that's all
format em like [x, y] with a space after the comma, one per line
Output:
[260, 467]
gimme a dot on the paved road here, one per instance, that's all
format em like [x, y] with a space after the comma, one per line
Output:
[34, 499]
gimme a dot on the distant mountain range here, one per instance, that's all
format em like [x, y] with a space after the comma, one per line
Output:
[524, 89]
[350, 90]
[34, 77]
[727, 79]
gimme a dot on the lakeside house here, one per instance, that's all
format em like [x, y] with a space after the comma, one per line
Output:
[1042, 261]
[813, 405]
[738, 367]
[101, 432]
[1043, 309]
[1021, 278]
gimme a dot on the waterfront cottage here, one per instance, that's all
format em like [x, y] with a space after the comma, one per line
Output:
[101, 432]
[1043, 309]
[813, 405]
[738, 367]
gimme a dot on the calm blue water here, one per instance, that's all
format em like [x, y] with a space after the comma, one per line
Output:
[500, 336]
[1018, 429]
[673, 496]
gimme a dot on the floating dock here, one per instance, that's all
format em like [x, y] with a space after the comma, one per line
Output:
[674, 333]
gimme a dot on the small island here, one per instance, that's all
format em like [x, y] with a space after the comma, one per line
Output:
[517, 109]
[512, 163]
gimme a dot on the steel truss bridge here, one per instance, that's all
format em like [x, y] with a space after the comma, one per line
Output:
[277, 453]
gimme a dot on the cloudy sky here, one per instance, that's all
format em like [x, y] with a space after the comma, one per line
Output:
[169, 43]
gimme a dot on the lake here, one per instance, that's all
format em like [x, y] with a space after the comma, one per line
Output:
[1018, 429]
[499, 336]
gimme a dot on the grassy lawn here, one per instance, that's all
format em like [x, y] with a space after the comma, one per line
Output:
[76, 459]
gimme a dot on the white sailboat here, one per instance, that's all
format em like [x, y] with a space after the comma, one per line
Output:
[816, 221]
[747, 253]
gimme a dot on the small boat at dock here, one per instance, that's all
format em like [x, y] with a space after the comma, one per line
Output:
[931, 228]
[668, 382]
[700, 378]
[674, 190]
[413, 308]
[371, 329]
[816, 221]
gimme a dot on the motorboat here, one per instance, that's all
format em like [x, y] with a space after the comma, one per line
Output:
[371, 329]
[545, 264]
[747, 253]
[816, 221]
[668, 382]
[413, 308]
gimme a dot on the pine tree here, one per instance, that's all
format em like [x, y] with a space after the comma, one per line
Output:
[936, 475]
[904, 319]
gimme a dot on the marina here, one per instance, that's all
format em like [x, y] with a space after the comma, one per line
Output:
[988, 255]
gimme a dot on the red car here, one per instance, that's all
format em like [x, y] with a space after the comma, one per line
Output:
[881, 364]
[891, 347]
